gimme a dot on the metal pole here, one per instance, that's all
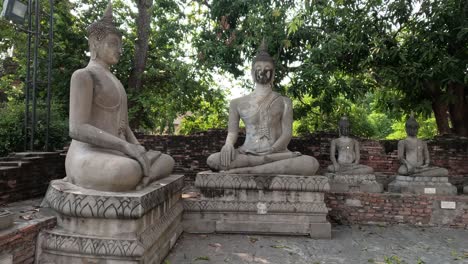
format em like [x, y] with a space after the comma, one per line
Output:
[36, 45]
[49, 69]
[28, 78]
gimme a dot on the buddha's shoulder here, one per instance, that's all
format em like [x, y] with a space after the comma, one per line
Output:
[241, 99]
[83, 73]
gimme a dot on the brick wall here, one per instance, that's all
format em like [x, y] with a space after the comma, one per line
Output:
[19, 242]
[392, 208]
[27, 175]
[190, 152]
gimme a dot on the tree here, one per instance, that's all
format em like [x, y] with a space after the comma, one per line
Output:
[412, 59]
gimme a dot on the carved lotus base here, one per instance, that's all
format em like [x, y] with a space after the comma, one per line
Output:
[422, 185]
[258, 204]
[112, 227]
[354, 183]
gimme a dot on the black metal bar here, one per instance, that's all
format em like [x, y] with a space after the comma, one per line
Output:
[36, 44]
[49, 70]
[28, 78]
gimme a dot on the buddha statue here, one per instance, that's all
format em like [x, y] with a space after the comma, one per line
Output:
[414, 155]
[268, 119]
[104, 154]
[348, 153]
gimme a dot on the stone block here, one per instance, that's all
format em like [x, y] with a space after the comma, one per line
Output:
[214, 180]
[111, 227]
[465, 190]
[354, 183]
[258, 204]
[422, 185]
[6, 219]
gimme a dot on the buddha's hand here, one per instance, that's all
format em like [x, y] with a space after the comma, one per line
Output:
[138, 152]
[410, 167]
[228, 154]
[336, 166]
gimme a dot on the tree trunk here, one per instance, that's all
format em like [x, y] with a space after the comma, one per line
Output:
[458, 108]
[439, 106]
[143, 23]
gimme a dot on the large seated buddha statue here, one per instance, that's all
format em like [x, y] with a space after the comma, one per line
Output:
[414, 155]
[348, 153]
[268, 120]
[104, 153]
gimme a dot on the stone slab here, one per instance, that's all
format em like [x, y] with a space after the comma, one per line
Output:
[258, 204]
[195, 205]
[354, 183]
[313, 225]
[6, 219]
[220, 180]
[72, 200]
[422, 185]
[100, 227]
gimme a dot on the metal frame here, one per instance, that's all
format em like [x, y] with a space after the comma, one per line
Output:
[30, 124]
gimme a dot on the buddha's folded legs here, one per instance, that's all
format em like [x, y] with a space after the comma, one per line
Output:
[351, 169]
[101, 169]
[161, 168]
[295, 165]
[424, 171]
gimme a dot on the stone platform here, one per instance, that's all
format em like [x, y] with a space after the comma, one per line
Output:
[258, 204]
[112, 227]
[422, 185]
[354, 183]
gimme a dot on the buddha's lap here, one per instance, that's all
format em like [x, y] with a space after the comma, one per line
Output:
[85, 165]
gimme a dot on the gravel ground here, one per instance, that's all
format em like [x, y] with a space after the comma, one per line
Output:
[349, 244]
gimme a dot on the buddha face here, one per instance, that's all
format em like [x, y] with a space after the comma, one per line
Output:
[344, 130]
[412, 130]
[108, 49]
[263, 72]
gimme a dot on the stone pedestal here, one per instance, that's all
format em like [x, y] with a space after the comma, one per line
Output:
[422, 185]
[354, 183]
[258, 204]
[112, 227]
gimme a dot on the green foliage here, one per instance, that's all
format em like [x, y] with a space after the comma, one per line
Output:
[345, 49]
[207, 117]
[427, 128]
[12, 131]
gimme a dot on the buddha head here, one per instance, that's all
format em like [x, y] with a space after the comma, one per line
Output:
[412, 126]
[263, 66]
[105, 40]
[343, 126]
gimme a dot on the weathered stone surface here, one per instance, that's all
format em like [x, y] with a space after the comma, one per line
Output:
[260, 204]
[353, 183]
[422, 185]
[465, 190]
[227, 180]
[71, 200]
[6, 219]
[113, 227]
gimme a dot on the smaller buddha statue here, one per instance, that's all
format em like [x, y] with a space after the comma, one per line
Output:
[348, 153]
[414, 155]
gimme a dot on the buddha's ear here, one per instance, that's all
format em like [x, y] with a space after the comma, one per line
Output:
[93, 49]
